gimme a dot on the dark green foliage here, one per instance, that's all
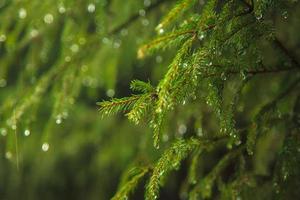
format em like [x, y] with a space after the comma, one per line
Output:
[220, 104]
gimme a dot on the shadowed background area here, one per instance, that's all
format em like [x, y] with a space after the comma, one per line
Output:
[59, 57]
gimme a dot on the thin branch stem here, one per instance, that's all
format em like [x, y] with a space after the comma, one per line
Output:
[254, 72]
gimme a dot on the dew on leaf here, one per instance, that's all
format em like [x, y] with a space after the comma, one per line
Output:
[22, 13]
[182, 129]
[91, 8]
[142, 12]
[158, 59]
[48, 18]
[3, 131]
[147, 3]
[8, 155]
[27, 132]
[2, 82]
[34, 33]
[2, 38]
[74, 48]
[145, 22]
[61, 9]
[45, 146]
[110, 92]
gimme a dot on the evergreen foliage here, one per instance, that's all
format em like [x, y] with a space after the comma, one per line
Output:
[222, 106]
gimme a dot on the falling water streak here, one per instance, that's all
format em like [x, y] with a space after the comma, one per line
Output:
[16, 141]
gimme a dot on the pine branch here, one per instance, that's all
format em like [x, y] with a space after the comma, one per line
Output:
[204, 188]
[130, 185]
[258, 119]
[171, 160]
[160, 42]
[140, 86]
[117, 105]
[180, 7]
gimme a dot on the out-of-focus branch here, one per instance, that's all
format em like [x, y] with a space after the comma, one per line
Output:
[135, 17]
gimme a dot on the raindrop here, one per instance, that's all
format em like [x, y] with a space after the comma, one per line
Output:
[243, 75]
[158, 59]
[8, 155]
[48, 18]
[224, 76]
[58, 119]
[74, 48]
[2, 38]
[259, 17]
[184, 65]
[105, 40]
[117, 44]
[27, 132]
[208, 102]
[22, 13]
[142, 12]
[200, 132]
[82, 41]
[110, 92]
[45, 146]
[147, 3]
[84, 68]
[65, 114]
[182, 129]
[124, 32]
[250, 152]
[34, 33]
[209, 64]
[279, 114]
[161, 31]
[91, 8]
[158, 110]
[238, 142]
[201, 36]
[145, 22]
[229, 146]
[67, 58]
[2, 82]
[3, 131]
[61, 9]
[165, 138]
[285, 14]
[14, 127]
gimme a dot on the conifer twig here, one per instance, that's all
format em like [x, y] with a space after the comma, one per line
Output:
[253, 72]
